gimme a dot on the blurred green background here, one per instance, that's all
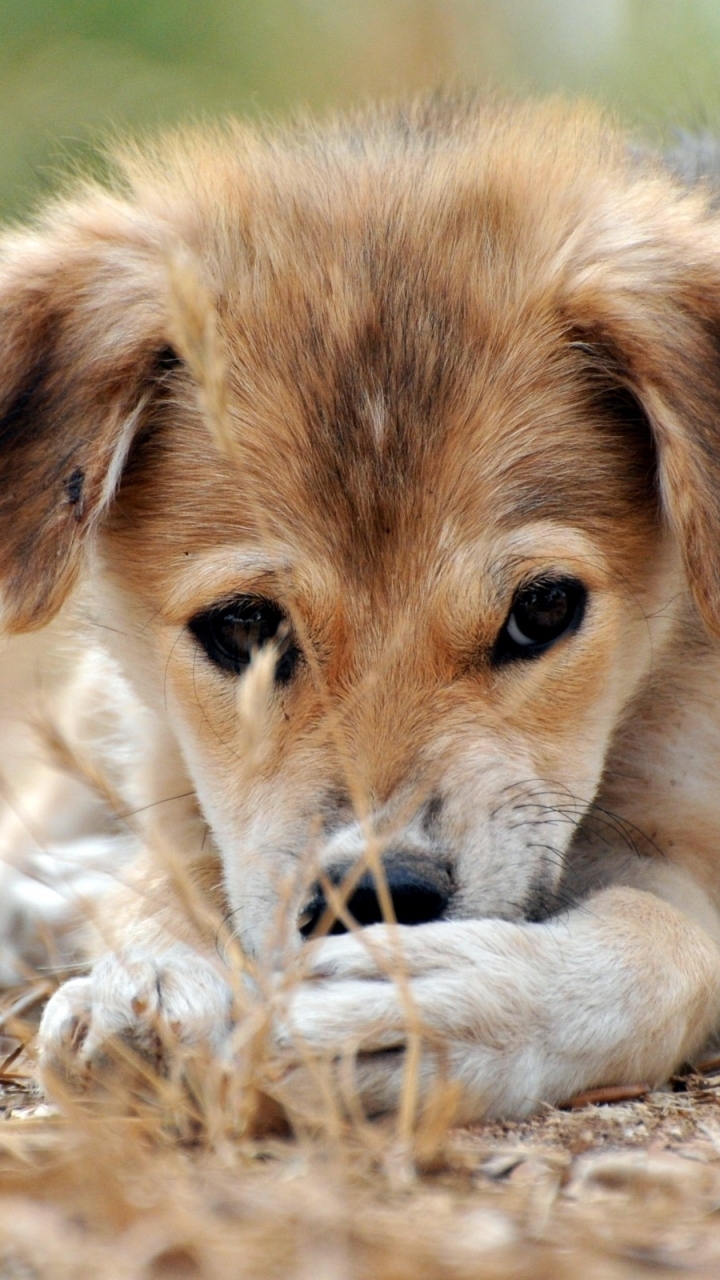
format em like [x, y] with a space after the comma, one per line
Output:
[71, 70]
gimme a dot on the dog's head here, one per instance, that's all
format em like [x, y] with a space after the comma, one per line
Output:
[470, 372]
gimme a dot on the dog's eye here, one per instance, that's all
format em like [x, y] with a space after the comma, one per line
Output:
[231, 633]
[542, 612]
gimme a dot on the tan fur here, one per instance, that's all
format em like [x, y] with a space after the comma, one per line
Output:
[454, 348]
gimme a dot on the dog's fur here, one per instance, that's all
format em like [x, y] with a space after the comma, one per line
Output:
[465, 346]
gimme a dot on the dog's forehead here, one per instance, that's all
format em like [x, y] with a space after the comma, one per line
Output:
[400, 369]
[370, 420]
[398, 343]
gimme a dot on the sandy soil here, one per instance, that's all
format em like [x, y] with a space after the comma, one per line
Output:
[622, 1189]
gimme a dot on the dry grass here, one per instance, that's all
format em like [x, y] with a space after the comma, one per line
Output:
[628, 1189]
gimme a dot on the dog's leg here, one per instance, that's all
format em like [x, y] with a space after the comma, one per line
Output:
[62, 847]
[620, 990]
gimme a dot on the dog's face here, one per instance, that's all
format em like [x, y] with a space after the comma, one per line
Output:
[411, 611]
[446, 659]
[445, 532]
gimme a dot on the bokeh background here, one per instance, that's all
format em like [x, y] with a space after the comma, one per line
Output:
[70, 70]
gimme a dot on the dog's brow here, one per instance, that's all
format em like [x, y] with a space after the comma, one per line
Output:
[226, 569]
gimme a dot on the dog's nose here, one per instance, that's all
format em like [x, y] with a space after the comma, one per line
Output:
[418, 885]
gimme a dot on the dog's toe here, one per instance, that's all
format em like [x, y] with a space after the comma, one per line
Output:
[64, 1029]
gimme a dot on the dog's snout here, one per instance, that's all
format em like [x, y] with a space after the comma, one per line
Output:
[419, 888]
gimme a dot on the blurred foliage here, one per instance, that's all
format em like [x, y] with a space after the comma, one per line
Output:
[71, 70]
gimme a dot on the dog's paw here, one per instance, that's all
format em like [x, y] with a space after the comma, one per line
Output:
[511, 1015]
[504, 1015]
[475, 997]
[134, 1008]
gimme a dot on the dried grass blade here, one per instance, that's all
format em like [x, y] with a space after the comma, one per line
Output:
[195, 333]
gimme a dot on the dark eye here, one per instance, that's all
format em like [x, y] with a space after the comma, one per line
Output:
[542, 612]
[231, 633]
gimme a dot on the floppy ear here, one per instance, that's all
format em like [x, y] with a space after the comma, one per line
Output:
[82, 303]
[649, 320]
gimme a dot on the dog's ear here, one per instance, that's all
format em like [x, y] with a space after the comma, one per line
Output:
[82, 302]
[648, 320]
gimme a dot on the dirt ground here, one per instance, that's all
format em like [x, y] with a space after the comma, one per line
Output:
[604, 1190]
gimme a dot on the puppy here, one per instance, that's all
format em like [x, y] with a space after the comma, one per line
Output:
[427, 649]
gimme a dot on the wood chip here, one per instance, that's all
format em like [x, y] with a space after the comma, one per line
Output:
[710, 1067]
[611, 1093]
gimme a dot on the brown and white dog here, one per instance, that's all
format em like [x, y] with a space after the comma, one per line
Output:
[470, 523]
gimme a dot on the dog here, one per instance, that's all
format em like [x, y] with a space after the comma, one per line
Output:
[383, 459]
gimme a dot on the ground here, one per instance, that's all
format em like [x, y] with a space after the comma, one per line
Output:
[602, 1190]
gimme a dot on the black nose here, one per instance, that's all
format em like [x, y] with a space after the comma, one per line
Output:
[419, 887]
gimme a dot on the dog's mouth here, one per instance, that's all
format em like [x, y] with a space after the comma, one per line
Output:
[417, 888]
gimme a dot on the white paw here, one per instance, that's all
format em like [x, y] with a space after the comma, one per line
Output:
[135, 1005]
[472, 995]
[512, 1015]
